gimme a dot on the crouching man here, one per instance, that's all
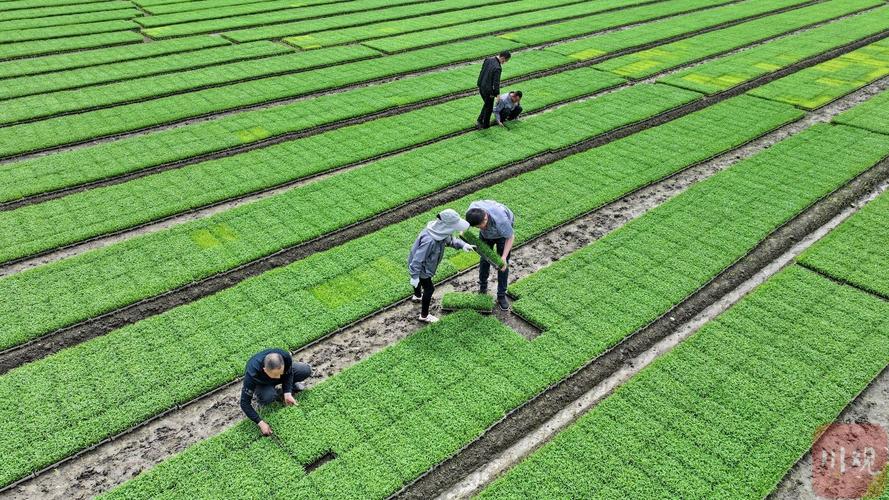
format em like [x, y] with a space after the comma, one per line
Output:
[507, 107]
[271, 375]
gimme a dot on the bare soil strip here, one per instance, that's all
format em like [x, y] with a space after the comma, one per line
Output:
[114, 461]
[100, 325]
[398, 109]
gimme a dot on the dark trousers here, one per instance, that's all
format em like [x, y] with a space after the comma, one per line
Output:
[424, 290]
[484, 268]
[513, 114]
[484, 118]
[267, 394]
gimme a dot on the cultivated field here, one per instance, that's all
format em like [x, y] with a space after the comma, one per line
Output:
[699, 283]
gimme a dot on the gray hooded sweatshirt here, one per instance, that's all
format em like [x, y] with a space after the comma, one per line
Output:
[428, 250]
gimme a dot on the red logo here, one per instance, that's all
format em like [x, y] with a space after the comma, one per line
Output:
[848, 461]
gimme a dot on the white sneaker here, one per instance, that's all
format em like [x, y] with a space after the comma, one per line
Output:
[414, 298]
[429, 319]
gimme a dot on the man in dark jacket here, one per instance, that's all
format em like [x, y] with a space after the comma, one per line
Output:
[264, 372]
[489, 86]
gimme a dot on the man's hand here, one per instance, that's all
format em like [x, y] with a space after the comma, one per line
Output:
[505, 262]
[500, 123]
[265, 428]
[468, 248]
[289, 399]
[415, 282]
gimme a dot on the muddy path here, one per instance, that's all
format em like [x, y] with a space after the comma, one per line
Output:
[116, 461]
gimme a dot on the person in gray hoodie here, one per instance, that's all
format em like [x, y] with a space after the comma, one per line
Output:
[427, 252]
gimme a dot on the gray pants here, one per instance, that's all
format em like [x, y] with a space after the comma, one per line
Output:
[267, 394]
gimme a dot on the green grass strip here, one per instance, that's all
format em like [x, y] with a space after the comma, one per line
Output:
[69, 19]
[309, 298]
[858, 250]
[822, 84]
[729, 71]
[37, 12]
[597, 46]
[727, 412]
[260, 60]
[480, 302]
[213, 244]
[338, 15]
[648, 62]
[461, 23]
[634, 275]
[185, 78]
[20, 68]
[30, 34]
[125, 205]
[81, 165]
[135, 116]
[41, 47]
[873, 114]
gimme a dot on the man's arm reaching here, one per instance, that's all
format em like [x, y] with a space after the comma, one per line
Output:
[247, 401]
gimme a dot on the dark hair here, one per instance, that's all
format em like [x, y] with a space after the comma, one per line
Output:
[273, 361]
[505, 55]
[475, 216]
[518, 93]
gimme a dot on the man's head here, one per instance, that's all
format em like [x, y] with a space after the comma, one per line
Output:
[273, 365]
[477, 217]
[516, 96]
[504, 56]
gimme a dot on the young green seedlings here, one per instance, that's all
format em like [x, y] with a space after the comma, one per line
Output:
[479, 302]
[485, 251]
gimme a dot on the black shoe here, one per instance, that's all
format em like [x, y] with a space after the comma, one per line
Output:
[503, 303]
[483, 290]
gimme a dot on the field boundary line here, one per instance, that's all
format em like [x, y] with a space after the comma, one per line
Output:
[841, 281]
